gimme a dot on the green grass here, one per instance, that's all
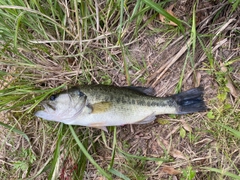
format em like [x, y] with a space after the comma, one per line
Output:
[47, 46]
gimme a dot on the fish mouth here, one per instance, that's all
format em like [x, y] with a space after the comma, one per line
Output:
[46, 111]
[47, 105]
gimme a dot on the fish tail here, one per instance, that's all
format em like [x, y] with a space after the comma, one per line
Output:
[190, 101]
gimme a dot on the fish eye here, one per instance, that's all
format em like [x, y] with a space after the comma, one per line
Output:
[52, 97]
[80, 94]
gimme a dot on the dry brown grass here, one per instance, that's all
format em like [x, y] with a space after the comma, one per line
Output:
[155, 57]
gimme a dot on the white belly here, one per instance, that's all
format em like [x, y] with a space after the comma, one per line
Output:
[117, 118]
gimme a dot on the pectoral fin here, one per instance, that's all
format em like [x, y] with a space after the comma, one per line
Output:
[101, 107]
[99, 125]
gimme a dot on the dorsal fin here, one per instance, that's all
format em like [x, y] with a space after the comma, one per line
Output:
[144, 90]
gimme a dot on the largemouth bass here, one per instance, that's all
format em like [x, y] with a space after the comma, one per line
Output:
[99, 106]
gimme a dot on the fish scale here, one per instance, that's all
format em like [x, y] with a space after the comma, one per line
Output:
[123, 95]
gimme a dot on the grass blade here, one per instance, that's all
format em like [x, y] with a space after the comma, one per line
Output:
[114, 147]
[160, 10]
[232, 131]
[54, 164]
[89, 157]
[225, 173]
[143, 157]
[121, 22]
[118, 174]
[193, 35]
[11, 128]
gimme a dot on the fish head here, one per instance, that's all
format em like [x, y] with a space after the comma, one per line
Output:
[63, 106]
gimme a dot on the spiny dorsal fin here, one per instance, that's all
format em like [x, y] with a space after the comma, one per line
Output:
[101, 107]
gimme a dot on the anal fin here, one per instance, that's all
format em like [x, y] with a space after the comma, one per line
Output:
[147, 119]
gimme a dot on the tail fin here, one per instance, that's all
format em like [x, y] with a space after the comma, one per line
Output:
[190, 101]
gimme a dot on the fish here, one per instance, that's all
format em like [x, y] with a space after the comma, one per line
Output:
[99, 106]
